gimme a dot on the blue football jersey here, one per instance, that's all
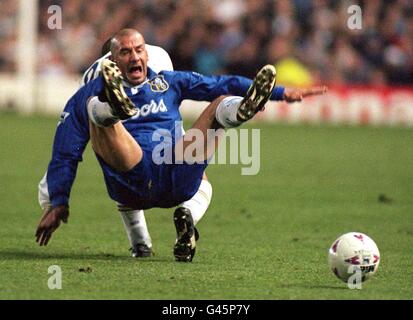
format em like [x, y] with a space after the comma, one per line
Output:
[157, 100]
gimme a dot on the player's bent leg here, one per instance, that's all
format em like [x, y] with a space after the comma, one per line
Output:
[226, 112]
[203, 144]
[110, 140]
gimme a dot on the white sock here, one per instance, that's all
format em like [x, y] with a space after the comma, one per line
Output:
[135, 226]
[199, 203]
[226, 112]
[100, 113]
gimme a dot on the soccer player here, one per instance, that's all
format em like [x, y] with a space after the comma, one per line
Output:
[134, 220]
[127, 111]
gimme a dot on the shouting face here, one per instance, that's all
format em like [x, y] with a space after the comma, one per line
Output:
[129, 53]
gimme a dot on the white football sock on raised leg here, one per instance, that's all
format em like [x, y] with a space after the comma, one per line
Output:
[199, 203]
[100, 113]
[135, 226]
[226, 112]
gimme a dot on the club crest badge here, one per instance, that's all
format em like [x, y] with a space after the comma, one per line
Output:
[158, 84]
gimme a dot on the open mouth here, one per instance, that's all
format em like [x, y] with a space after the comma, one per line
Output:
[135, 70]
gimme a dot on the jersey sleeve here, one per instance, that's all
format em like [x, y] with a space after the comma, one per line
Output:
[198, 87]
[71, 138]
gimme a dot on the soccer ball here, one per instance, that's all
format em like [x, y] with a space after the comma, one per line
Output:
[351, 253]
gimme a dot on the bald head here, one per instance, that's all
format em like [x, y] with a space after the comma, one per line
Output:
[129, 52]
[127, 32]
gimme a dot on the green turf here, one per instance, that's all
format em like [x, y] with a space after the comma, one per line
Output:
[264, 236]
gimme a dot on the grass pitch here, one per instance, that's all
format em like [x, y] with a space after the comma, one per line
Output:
[264, 236]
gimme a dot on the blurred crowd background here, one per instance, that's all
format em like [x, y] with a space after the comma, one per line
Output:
[308, 40]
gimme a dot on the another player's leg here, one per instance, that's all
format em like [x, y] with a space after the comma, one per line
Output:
[186, 216]
[137, 231]
[110, 139]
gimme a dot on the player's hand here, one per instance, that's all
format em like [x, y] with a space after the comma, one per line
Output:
[296, 95]
[50, 222]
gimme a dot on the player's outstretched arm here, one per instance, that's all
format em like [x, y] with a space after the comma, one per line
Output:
[296, 95]
[198, 87]
[71, 138]
[49, 222]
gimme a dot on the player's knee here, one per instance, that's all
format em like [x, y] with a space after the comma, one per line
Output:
[122, 164]
[126, 165]
[122, 167]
